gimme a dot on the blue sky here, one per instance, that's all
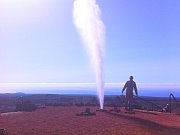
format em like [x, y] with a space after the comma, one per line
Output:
[40, 44]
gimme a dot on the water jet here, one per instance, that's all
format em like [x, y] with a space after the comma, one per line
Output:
[88, 22]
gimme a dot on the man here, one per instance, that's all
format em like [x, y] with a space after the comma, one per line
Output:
[130, 86]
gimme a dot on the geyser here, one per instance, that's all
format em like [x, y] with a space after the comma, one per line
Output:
[87, 20]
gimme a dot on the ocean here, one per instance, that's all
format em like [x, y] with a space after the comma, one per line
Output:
[151, 90]
[92, 91]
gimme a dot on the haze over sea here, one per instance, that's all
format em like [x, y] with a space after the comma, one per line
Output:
[108, 91]
[151, 90]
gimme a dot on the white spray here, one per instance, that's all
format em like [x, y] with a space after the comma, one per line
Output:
[88, 22]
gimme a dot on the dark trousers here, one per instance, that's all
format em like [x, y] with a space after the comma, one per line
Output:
[129, 99]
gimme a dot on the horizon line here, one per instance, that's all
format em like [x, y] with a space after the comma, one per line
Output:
[109, 84]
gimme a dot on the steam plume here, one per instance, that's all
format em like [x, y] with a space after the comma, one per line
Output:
[88, 22]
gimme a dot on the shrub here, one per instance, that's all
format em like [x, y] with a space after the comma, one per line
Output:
[26, 106]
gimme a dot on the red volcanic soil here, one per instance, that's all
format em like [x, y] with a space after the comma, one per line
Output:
[63, 121]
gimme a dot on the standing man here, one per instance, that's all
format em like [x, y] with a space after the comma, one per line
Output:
[130, 86]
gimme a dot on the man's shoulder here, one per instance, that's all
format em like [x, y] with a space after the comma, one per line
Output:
[131, 82]
[128, 82]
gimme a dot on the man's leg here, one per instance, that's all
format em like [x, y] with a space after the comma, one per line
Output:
[127, 102]
[131, 102]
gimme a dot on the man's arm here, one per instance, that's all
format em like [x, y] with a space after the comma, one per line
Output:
[135, 88]
[124, 87]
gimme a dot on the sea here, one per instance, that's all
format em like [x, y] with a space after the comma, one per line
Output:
[92, 91]
[149, 90]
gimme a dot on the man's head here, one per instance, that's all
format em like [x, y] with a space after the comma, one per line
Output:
[131, 77]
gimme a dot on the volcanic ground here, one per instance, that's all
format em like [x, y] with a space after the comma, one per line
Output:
[63, 121]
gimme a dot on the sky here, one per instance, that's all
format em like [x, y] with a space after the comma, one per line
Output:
[40, 44]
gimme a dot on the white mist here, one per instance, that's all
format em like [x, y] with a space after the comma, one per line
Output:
[87, 20]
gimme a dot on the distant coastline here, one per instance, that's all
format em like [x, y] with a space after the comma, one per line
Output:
[92, 91]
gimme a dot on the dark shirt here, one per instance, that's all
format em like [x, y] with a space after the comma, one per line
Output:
[130, 85]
